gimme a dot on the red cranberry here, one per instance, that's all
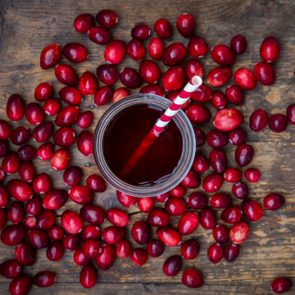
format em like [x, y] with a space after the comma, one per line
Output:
[190, 249]
[115, 52]
[215, 253]
[42, 183]
[55, 251]
[34, 206]
[19, 190]
[252, 210]
[25, 254]
[258, 120]
[3, 148]
[231, 214]
[188, 223]
[198, 114]
[90, 231]
[72, 175]
[70, 95]
[191, 180]
[232, 175]
[145, 204]
[103, 95]
[21, 285]
[46, 219]
[173, 79]
[212, 183]
[50, 56]
[252, 175]
[172, 265]
[273, 201]
[126, 200]
[85, 143]
[155, 248]
[75, 52]
[136, 49]
[108, 74]
[71, 222]
[5, 130]
[237, 136]
[153, 89]
[219, 76]
[216, 138]
[178, 192]
[245, 79]
[220, 234]
[197, 47]
[120, 94]
[186, 24]
[56, 233]
[4, 197]
[220, 200]
[291, 114]
[281, 285]
[240, 190]
[130, 78]
[223, 55]
[228, 119]
[16, 212]
[123, 249]
[141, 232]
[106, 257]
[54, 199]
[67, 116]
[60, 159]
[174, 54]
[91, 247]
[264, 73]
[11, 268]
[81, 194]
[141, 32]
[80, 258]
[270, 49]
[139, 256]
[38, 238]
[88, 276]
[10, 163]
[96, 183]
[194, 67]
[43, 91]
[239, 233]
[30, 222]
[20, 135]
[113, 234]
[15, 107]
[158, 217]
[149, 71]
[201, 164]
[207, 218]
[169, 236]
[175, 206]
[107, 18]
[66, 74]
[34, 113]
[44, 279]
[202, 94]
[162, 198]
[71, 242]
[88, 83]
[235, 94]
[99, 35]
[83, 22]
[64, 137]
[42, 132]
[277, 122]
[156, 48]
[218, 100]
[218, 161]
[197, 200]
[238, 44]
[118, 217]
[231, 252]
[192, 278]
[244, 154]
[163, 28]
[27, 171]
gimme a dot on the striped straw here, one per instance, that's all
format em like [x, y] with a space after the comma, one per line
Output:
[162, 122]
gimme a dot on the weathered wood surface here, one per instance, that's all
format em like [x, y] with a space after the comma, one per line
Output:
[27, 25]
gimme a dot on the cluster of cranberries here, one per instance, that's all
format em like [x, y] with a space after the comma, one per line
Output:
[28, 203]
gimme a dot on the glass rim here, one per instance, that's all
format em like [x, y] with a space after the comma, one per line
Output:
[184, 164]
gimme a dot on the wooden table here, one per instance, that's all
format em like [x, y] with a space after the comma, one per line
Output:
[27, 25]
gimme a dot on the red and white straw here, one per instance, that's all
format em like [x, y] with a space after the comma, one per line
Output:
[162, 122]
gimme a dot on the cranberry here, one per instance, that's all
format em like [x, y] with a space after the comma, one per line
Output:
[135, 49]
[188, 223]
[238, 44]
[245, 79]
[197, 47]
[71, 222]
[55, 251]
[270, 49]
[118, 217]
[156, 48]
[3, 148]
[11, 268]
[56, 233]
[139, 256]
[113, 234]
[27, 171]
[252, 210]
[90, 231]
[190, 249]
[88, 83]
[218, 100]
[172, 265]
[115, 52]
[46, 219]
[83, 22]
[67, 116]
[162, 198]
[64, 137]
[281, 285]
[158, 217]
[19, 190]
[218, 161]
[273, 201]
[21, 285]
[149, 71]
[123, 249]
[4, 197]
[197, 200]
[44, 91]
[169, 236]
[96, 183]
[191, 180]
[16, 212]
[175, 206]
[237, 136]
[38, 238]
[34, 113]
[178, 192]
[219, 76]
[163, 28]
[141, 232]
[99, 35]
[88, 276]
[10, 163]
[30, 222]
[173, 79]
[277, 122]
[220, 200]
[54, 199]
[126, 200]
[244, 154]
[258, 120]
[91, 247]
[5, 130]
[201, 164]
[186, 24]
[130, 78]
[25, 254]
[207, 218]
[153, 89]
[85, 142]
[71, 242]
[264, 73]
[80, 258]
[202, 94]
[15, 107]
[103, 95]
[20, 135]
[232, 175]
[34, 206]
[81, 194]
[66, 74]
[200, 136]
[70, 95]
[145, 204]
[220, 234]
[216, 138]
[120, 94]
[192, 278]
[174, 54]
[223, 55]
[75, 52]
[291, 114]
[231, 214]
[198, 114]
[239, 232]
[235, 94]
[240, 190]
[231, 252]
[212, 183]
[44, 279]
[141, 32]
[215, 253]
[50, 56]
[194, 67]
[106, 257]
[42, 183]
[252, 175]
[107, 73]
[107, 18]
[26, 152]
[60, 159]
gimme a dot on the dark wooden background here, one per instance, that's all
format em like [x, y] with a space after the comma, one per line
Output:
[27, 25]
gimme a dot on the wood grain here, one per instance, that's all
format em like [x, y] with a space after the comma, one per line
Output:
[27, 25]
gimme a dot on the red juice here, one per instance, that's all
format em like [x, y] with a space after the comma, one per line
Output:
[125, 133]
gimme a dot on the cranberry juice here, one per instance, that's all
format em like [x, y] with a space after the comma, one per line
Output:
[125, 133]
